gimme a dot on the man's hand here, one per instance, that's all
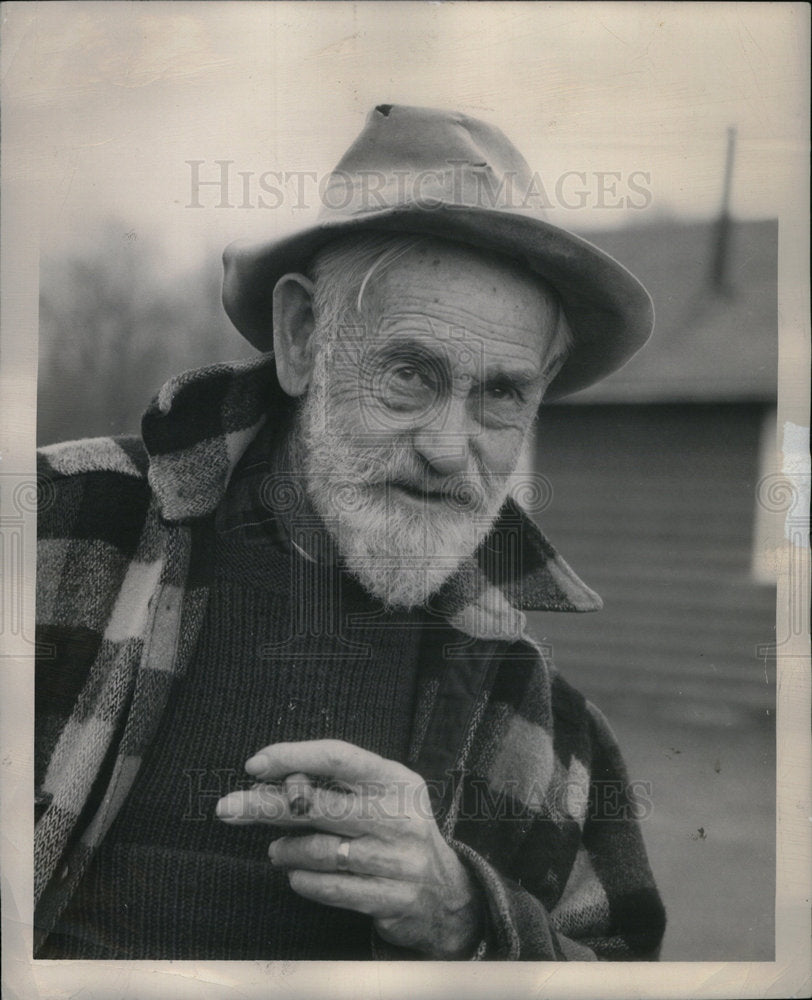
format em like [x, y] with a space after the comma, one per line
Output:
[377, 850]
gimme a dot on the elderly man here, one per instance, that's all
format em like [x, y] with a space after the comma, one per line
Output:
[286, 706]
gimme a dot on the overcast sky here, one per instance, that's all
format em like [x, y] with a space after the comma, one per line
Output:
[105, 104]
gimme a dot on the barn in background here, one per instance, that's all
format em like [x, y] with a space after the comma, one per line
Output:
[653, 477]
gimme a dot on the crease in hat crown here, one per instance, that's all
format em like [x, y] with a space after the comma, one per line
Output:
[450, 159]
[445, 174]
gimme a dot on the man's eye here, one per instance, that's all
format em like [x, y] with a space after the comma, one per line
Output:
[407, 374]
[502, 393]
[406, 386]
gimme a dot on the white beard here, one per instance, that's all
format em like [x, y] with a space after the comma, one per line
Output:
[401, 550]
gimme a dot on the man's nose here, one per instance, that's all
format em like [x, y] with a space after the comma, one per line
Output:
[444, 442]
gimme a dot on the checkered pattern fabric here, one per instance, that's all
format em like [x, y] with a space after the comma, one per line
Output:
[526, 779]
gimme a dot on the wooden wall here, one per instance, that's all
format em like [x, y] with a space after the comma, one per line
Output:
[653, 505]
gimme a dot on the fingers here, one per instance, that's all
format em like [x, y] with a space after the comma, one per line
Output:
[326, 758]
[331, 786]
[377, 897]
[330, 811]
[367, 856]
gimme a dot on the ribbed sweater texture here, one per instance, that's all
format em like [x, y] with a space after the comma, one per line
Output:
[290, 650]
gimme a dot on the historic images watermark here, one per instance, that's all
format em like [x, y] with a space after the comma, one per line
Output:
[222, 184]
[557, 798]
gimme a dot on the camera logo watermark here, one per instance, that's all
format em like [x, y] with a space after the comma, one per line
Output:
[789, 495]
[20, 497]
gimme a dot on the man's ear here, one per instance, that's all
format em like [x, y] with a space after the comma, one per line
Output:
[293, 326]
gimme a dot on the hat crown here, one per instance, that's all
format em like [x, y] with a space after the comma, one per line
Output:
[440, 173]
[427, 157]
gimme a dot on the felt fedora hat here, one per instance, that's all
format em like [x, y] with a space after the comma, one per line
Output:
[441, 173]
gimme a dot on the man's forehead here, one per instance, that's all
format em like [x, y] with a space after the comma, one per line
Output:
[453, 293]
[443, 266]
[463, 342]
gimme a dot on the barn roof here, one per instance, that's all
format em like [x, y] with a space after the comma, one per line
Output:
[708, 344]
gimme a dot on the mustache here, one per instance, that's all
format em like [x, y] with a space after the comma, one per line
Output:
[464, 491]
[461, 493]
[404, 470]
[344, 465]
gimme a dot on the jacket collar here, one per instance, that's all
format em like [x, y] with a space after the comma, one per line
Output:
[199, 426]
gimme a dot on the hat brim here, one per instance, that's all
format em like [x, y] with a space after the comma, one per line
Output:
[609, 311]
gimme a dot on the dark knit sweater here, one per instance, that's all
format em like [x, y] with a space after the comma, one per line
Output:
[172, 879]
[526, 779]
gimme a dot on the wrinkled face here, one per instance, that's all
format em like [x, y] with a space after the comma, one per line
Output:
[417, 411]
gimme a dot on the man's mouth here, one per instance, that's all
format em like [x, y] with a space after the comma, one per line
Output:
[460, 499]
[418, 493]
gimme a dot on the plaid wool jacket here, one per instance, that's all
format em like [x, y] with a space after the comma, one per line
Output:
[526, 779]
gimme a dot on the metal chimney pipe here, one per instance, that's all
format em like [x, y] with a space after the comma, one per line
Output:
[722, 238]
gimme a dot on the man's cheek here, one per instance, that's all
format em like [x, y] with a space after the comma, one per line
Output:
[343, 412]
[381, 421]
[499, 450]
